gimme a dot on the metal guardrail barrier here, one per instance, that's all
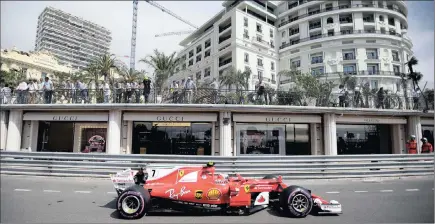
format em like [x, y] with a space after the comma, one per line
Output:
[290, 167]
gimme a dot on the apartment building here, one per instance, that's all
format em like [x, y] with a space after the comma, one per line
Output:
[241, 36]
[366, 39]
[71, 39]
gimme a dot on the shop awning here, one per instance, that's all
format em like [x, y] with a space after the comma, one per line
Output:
[67, 117]
[171, 117]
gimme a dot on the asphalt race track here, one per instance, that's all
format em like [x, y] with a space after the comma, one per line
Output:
[79, 200]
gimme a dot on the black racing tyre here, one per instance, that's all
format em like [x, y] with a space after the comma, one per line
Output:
[133, 202]
[270, 176]
[296, 201]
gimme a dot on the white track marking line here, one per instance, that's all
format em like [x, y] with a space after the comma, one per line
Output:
[412, 189]
[22, 190]
[360, 191]
[386, 190]
[51, 191]
[333, 192]
[111, 192]
[83, 192]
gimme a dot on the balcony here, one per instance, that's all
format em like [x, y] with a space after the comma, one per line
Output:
[224, 39]
[224, 28]
[316, 60]
[315, 25]
[396, 58]
[372, 56]
[335, 9]
[346, 20]
[225, 62]
[369, 19]
[207, 44]
[342, 33]
[348, 57]
[260, 42]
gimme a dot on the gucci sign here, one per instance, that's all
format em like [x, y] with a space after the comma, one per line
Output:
[64, 118]
[170, 118]
[277, 119]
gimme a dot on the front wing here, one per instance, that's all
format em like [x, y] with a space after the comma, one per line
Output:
[331, 207]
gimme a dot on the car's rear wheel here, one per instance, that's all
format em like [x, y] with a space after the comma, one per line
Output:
[133, 202]
[296, 201]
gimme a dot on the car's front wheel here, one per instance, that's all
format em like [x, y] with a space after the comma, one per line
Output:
[296, 201]
[133, 202]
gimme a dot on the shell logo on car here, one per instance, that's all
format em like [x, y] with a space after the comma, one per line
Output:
[214, 194]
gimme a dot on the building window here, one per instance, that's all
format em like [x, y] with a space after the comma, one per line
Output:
[295, 63]
[198, 49]
[246, 57]
[317, 58]
[283, 34]
[374, 84]
[246, 34]
[206, 72]
[260, 74]
[349, 54]
[198, 75]
[191, 62]
[271, 33]
[259, 28]
[372, 53]
[260, 62]
[373, 69]
[391, 21]
[349, 69]
[198, 58]
[317, 71]
[395, 56]
[272, 66]
[191, 54]
[245, 22]
[329, 20]
[381, 18]
[396, 69]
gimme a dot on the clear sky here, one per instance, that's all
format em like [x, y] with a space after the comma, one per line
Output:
[19, 21]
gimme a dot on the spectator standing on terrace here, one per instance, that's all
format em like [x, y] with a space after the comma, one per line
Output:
[48, 90]
[136, 91]
[146, 88]
[341, 95]
[128, 92]
[83, 90]
[261, 90]
[33, 91]
[5, 94]
[69, 88]
[381, 97]
[189, 87]
[357, 95]
[22, 92]
[174, 91]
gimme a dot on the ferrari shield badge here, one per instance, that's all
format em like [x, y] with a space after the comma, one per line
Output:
[198, 194]
[214, 194]
[181, 173]
[247, 188]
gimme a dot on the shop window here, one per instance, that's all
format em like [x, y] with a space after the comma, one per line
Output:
[427, 132]
[363, 139]
[184, 138]
[260, 139]
[55, 137]
[280, 139]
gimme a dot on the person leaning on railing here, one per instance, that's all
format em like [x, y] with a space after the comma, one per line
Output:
[189, 88]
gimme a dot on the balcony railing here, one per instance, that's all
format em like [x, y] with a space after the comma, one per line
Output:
[315, 26]
[362, 72]
[373, 57]
[346, 20]
[224, 39]
[200, 96]
[342, 33]
[338, 8]
[349, 57]
[224, 28]
[225, 62]
[396, 58]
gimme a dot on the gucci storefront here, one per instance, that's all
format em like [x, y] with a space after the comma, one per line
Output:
[370, 135]
[65, 132]
[172, 133]
[277, 134]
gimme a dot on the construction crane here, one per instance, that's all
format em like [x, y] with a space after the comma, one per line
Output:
[175, 33]
[134, 27]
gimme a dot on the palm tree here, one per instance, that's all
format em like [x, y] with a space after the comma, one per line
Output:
[104, 64]
[416, 77]
[164, 65]
[130, 75]
[235, 77]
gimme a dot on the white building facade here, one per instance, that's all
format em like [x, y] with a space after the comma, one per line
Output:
[71, 39]
[365, 39]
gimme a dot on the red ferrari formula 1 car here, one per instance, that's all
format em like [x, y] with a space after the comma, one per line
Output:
[199, 187]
